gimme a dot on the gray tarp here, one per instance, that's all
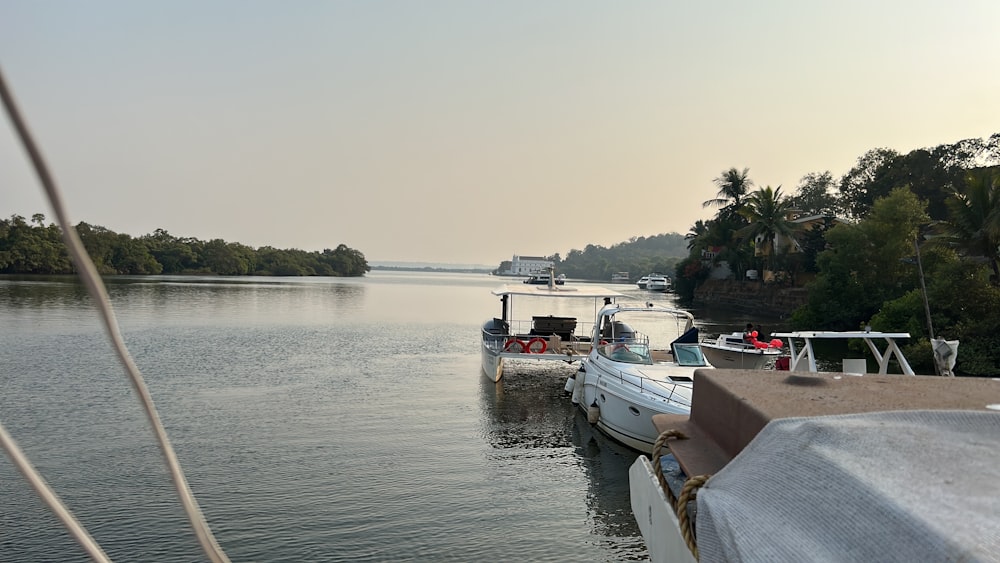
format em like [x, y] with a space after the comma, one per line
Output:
[889, 486]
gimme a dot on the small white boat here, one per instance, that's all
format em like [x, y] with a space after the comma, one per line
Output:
[537, 334]
[734, 351]
[642, 364]
[659, 282]
[619, 277]
[643, 282]
[544, 279]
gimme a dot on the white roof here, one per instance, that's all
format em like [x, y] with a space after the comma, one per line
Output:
[585, 290]
[848, 334]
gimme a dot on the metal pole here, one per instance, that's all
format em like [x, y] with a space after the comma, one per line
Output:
[927, 307]
[923, 290]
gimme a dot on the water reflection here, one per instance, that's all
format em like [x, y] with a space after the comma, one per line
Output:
[529, 411]
[143, 301]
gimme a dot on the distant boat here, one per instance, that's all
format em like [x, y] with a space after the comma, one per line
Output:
[659, 282]
[543, 279]
[619, 277]
[644, 281]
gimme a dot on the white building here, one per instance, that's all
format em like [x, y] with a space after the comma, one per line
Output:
[525, 265]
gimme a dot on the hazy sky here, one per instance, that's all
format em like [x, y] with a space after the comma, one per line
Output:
[468, 131]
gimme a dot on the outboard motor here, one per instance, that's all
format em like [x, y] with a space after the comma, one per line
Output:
[616, 331]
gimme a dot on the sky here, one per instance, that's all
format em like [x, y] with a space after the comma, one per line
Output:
[467, 131]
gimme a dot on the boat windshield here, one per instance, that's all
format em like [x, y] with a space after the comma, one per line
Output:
[688, 355]
[627, 352]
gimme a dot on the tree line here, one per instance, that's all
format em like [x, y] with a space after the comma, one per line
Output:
[871, 234]
[638, 256]
[38, 248]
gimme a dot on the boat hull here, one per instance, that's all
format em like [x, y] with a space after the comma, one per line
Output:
[492, 364]
[728, 358]
[624, 411]
[655, 516]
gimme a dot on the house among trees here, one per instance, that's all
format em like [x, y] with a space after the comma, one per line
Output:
[526, 265]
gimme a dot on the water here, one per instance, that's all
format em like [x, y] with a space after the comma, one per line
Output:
[317, 419]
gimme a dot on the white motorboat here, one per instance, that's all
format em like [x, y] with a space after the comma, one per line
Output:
[756, 443]
[735, 351]
[619, 277]
[543, 278]
[659, 282]
[642, 364]
[643, 282]
[536, 333]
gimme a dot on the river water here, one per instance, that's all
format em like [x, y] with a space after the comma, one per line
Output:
[317, 419]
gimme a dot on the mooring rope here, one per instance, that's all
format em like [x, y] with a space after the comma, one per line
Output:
[90, 278]
[689, 493]
[661, 441]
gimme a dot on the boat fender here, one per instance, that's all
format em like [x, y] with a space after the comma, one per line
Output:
[593, 413]
[530, 348]
[570, 384]
[776, 343]
[578, 386]
[515, 345]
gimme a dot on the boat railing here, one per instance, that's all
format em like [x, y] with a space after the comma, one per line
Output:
[659, 388]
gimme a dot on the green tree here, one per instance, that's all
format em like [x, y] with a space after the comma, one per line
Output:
[863, 266]
[856, 187]
[973, 225]
[816, 195]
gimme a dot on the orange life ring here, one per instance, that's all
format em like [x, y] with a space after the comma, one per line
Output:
[545, 346]
[511, 342]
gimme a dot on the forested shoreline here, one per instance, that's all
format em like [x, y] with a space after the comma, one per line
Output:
[38, 248]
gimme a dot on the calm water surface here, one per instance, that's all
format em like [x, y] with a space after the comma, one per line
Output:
[317, 419]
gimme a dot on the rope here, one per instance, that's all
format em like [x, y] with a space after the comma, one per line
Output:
[661, 440]
[689, 493]
[90, 278]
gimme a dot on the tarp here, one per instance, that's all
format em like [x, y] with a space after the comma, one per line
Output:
[889, 486]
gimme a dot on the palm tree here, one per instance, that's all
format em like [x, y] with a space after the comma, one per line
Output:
[733, 188]
[696, 236]
[767, 212]
[974, 218]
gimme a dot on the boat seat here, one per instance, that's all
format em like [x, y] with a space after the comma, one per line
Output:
[562, 327]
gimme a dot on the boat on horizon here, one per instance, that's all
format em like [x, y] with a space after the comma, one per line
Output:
[659, 282]
[543, 278]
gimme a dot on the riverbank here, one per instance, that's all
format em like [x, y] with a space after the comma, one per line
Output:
[753, 297]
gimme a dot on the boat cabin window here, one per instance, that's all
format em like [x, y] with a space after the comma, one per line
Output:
[688, 355]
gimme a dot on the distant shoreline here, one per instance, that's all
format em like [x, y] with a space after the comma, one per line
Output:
[432, 269]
